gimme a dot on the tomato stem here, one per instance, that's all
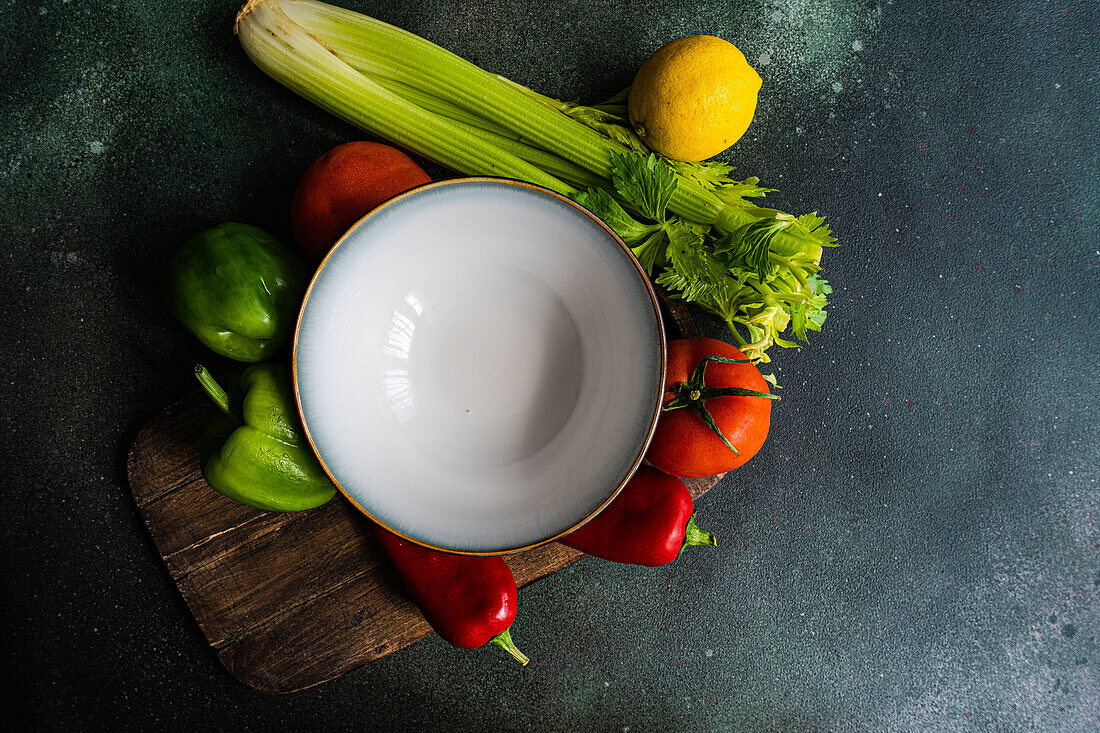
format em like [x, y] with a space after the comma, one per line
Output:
[504, 641]
[694, 393]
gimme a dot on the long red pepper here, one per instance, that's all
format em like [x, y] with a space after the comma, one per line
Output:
[469, 601]
[649, 523]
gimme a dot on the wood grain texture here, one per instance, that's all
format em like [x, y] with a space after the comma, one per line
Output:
[288, 600]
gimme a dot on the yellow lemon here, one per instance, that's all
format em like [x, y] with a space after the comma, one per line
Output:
[693, 98]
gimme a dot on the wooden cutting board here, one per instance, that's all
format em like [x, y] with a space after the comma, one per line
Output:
[288, 600]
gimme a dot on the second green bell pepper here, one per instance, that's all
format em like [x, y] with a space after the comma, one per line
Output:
[256, 452]
[238, 289]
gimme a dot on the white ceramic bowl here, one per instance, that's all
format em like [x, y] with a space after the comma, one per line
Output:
[479, 365]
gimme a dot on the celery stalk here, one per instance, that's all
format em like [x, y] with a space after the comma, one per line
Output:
[377, 48]
[298, 60]
[499, 137]
[555, 165]
[443, 108]
[368, 44]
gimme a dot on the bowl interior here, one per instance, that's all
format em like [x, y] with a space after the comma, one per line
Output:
[479, 365]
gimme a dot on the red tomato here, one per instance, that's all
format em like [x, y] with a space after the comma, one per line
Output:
[683, 445]
[344, 184]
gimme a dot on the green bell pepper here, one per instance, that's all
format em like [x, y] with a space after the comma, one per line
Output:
[256, 452]
[238, 289]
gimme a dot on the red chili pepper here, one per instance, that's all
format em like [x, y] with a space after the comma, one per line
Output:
[469, 601]
[650, 523]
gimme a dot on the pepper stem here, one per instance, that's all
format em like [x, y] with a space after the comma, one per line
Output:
[215, 392]
[695, 536]
[504, 641]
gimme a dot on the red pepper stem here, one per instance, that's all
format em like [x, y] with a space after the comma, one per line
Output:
[504, 641]
[695, 536]
[214, 391]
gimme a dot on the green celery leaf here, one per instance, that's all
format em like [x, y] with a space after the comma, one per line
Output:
[611, 110]
[798, 320]
[591, 115]
[820, 285]
[646, 183]
[815, 227]
[750, 245]
[652, 251]
[622, 135]
[607, 124]
[822, 288]
[687, 256]
[607, 118]
[760, 293]
[736, 192]
[695, 275]
[709, 174]
[600, 203]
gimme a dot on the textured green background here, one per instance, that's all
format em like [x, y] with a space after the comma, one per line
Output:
[915, 548]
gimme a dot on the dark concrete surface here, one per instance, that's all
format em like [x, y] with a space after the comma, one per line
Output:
[916, 547]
